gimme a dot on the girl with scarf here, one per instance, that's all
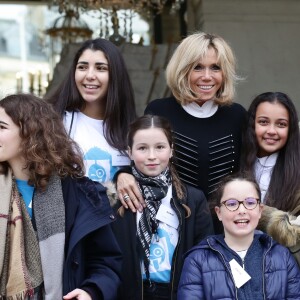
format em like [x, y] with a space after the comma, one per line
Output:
[175, 218]
[206, 122]
[56, 239]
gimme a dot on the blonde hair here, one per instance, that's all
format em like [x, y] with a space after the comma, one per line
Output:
[186, 57]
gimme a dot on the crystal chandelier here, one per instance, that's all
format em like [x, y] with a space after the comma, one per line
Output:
[70, 28]
[111, 12]
[137, 5]
[66, 29]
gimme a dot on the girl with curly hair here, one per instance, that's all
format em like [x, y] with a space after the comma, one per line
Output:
[54, 223]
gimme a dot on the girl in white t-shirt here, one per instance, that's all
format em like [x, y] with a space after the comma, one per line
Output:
[272, 149]
[97, 103]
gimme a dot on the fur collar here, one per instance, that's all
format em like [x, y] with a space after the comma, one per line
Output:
[277, 224]
[111, 193]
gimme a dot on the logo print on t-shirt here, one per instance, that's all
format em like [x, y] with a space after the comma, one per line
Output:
[157, 256]
[161, 253]
[98, 164]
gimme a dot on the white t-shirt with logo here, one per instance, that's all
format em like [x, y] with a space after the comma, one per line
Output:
[163, 244]
[101, 160]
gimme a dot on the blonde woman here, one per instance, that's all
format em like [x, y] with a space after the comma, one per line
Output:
[206, 123]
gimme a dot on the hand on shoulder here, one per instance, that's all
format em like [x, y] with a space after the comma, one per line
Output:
[78, 294]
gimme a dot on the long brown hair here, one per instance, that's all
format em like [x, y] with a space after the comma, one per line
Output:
[120, 106]
[284, 188]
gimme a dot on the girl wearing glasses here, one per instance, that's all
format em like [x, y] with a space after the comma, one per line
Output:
[242, 263]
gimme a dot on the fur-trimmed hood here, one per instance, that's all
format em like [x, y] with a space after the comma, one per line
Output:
[277, 224]
[111, 192]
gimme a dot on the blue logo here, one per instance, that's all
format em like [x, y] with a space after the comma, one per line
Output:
[99, 165]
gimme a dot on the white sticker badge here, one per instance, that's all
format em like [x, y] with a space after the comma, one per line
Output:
[240, 276]
[167, 215]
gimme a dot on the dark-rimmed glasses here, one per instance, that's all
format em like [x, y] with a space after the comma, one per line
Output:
[233, 204]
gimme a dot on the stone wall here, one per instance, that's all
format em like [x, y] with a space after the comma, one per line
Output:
[265, 36]
[146, 68]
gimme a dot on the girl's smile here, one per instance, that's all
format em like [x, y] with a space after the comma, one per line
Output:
[271, 127]
[92, 79]
[241, 222]
[150, 151]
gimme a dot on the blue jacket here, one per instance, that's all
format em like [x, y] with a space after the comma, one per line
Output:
[92, 255]
[206, 272]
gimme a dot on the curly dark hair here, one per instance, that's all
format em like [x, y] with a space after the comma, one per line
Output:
[45, 145]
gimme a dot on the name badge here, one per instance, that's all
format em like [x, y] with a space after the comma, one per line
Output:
[118, 159]
[240, 276]
[167, 215]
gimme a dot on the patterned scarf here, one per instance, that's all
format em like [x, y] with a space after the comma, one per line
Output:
[28, 258]
[153, 190]
[20, 262]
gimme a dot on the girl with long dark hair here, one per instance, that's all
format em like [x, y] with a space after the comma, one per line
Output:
[272, 149]
[96, 101]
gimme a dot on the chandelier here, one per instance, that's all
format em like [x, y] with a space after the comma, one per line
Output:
[66, 29]
[138, 5]
[70, 28]
[114, 14]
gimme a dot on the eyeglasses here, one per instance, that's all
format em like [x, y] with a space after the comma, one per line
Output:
[233, 204]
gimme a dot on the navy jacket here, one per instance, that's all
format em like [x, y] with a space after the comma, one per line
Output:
[206, 272]
[92, 255]
[192, 230]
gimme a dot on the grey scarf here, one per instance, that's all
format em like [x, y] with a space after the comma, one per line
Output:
[49, 213]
